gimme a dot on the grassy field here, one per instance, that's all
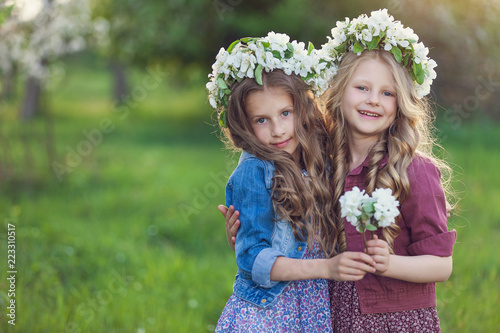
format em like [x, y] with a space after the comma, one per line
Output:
[117, 228]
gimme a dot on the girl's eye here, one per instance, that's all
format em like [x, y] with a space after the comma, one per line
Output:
[286, 113]
[388, 93]
[361, 88]
[261, 120]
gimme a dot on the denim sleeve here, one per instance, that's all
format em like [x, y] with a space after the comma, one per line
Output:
[248, 193]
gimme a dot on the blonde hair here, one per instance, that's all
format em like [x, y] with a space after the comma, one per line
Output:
[408, 136]
[295, 197]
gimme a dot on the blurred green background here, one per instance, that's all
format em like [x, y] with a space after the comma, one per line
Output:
[111, 168]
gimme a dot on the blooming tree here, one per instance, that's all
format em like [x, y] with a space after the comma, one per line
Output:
[30, 46]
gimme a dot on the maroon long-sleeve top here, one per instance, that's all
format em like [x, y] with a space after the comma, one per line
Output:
[424, 230]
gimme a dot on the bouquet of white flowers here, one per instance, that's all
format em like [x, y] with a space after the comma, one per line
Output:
[369, 213]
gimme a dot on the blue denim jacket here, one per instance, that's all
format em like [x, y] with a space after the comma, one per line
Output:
[262, 236]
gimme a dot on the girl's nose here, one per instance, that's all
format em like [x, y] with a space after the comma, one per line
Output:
[277, 129]
[373, 98]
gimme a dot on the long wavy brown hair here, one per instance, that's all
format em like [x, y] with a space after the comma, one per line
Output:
[304, 201]
[409, 135]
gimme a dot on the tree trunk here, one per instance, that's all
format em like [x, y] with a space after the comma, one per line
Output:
[120, 85]
[9, 85]
[31, 104]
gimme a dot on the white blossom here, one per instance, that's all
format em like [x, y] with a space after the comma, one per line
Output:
[386, 207]
[422, 89]
[429, 65]
[350, 204]
[379, 21]
[247, 65]
[421, 52]
[366, 35]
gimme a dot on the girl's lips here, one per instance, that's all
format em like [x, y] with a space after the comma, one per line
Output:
[368, 114]
[281, 144]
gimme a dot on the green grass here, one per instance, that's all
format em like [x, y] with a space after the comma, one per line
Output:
[130, 239]
[469, 300]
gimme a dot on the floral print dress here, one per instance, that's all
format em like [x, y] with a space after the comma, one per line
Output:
[304, 306]
[347, 317]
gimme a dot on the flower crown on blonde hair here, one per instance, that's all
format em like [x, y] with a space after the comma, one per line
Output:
[380, 32]
[248, 57]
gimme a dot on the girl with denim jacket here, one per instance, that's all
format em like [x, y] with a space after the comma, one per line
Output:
[280, 187]
[380, 126]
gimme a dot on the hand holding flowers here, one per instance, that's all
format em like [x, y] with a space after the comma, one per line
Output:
[378, 250]
[369, 213]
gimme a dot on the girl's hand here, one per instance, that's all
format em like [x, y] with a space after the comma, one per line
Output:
[448, 210]
[350, 266]
[378, 249]
[232, 223]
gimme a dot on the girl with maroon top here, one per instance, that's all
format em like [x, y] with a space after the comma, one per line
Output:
[380, 126]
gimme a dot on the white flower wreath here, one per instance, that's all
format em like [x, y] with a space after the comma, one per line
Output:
[248, 57]
[380, 31]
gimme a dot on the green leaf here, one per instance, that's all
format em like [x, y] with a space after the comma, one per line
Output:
[233, 44]
[341, 48]
[420, 77]
[277, 54]
[406, 58]
[419, 73]
[5, 13]
[398, 55]
[248, 39]
[368, 207]
[310, 48]
[370, 227]
[358, 48]
[363, 217]
[289, 47]
[310, 75]
[220, 82]
[258, 74]
[373, 44]
[415, 68]
[222, 119]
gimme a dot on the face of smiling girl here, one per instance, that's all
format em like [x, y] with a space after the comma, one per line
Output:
[369, 103]
[270, 113]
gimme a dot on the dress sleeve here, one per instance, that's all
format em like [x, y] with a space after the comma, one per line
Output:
[424, 212]
[250, 196]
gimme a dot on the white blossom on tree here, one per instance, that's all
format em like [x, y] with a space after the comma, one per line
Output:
[59, 28]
